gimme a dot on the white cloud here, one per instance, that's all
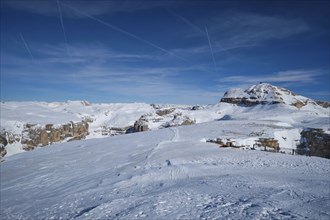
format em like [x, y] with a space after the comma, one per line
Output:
[93, 8]
[96, 69]
[295, 76]
[236, 29]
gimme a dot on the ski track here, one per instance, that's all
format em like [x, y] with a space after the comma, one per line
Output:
[175, 137]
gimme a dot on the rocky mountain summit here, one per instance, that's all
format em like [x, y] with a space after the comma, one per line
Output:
[264, 93]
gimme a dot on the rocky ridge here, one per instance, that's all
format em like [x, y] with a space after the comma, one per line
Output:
[38, 136]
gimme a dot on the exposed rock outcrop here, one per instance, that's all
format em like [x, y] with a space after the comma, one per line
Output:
[141, 124]
[323, 104]
[299, 104]
[9, 137]
[86, 103]
[111, 131]
[247, 102]
[162, 112]
[196, 107]
[179, 120]
[268, 144]
[223, 142]
[3, 144]
[3, 141]
[34, 136]
[314, 142]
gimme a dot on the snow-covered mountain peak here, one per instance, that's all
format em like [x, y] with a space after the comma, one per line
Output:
[264, 93]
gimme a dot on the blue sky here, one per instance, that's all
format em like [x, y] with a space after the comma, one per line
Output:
[187, 52]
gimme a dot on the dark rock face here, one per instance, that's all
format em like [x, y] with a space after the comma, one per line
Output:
[141, 124]
[5, 139]
[226, 117]
[246, 102]
[196, 107]
[314, 142]
[3, 151]
[34, 136]
[9, 137]
[3, 143]
[155, 106]
[323, 104]
[162, 112]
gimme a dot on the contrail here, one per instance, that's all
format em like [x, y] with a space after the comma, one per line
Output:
[26, 46]
[195, 27]
[64, 33]
[208, 38]
[124, 32]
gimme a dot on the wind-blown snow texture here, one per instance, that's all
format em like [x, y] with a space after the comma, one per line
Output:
[163, 174]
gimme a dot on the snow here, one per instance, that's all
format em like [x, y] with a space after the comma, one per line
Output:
[14, 115]
[288, 139]
[14, 148]
[264, 92]
[167, 173]
[116, 115]
[164, 174]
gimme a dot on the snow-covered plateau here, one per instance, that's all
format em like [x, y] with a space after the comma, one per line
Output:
[169, 171]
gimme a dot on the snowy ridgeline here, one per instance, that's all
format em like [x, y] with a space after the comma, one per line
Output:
[281, 114]
[169, 173]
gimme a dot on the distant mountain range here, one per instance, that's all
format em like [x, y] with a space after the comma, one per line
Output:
[27, 125]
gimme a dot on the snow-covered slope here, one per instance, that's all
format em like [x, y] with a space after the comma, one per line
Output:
[17, 117]
[165, 174]
[42, 113]
[171, 171]
[262, 102]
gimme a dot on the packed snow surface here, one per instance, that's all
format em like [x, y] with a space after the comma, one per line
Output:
[164, 174]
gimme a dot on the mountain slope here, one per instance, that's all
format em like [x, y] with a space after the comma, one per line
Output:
[26, 125]
[164, 174]
[171, 171]
[264, 93]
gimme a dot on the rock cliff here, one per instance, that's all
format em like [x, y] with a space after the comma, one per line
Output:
[37, 136]
[314, 142]
[3, 144]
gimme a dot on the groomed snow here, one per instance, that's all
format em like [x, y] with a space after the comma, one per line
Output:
[164, 174]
